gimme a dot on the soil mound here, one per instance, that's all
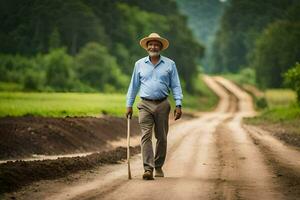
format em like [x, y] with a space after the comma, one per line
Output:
[14, 175]
[24, 136]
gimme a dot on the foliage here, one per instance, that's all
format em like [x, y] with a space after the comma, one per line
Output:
[54, 39]
[184, 51]
[263, 35]
[280, 97]
[30, 30]
[245, 76]
[33, 81]
[276, 50]
[59, 70]
[40, 27]
[98, 69]
[12, 87]
[241, 24]
[82, 104]
[261, 103]
[279, 115]
[292, 79]
[12, 68]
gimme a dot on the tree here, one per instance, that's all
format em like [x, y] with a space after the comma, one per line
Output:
[59, 70]
[97, 68]
[241, 23]
[30, 28]
[276, 50]
[54, 39]
[34, 27]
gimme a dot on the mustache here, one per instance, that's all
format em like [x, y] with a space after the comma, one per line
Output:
[154, 53]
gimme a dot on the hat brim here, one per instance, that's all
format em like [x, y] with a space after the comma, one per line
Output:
[163, 41]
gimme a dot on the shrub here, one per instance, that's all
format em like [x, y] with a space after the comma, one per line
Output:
[59, 70]
[97, 68]
[292, 79]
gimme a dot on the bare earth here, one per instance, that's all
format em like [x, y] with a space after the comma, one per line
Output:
[213, 156]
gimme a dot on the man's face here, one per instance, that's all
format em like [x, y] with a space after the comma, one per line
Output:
[154, 48]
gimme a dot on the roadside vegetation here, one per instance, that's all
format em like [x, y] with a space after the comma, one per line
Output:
[282, 117]
[89, 104]
[88, 46]
[61, 104]
[282, 107]
[79, 61]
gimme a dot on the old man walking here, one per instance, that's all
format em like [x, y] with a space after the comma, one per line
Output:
[154, 76]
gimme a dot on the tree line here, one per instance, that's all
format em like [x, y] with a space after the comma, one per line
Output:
[88, 45]
[262, 35]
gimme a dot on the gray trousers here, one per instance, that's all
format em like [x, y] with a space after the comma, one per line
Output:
[154, 114]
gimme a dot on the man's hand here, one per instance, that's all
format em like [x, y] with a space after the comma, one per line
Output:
[177, 113]
[129, 112]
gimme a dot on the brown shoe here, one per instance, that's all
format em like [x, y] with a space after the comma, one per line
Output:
[159, 172]
[148, 175]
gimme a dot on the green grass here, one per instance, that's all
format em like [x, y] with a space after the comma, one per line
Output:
[61, 104]
[282, 108]
[278, 115]
[205, 100]
[12, 87]
[89, 104]
[245, 76]
[76, 104]
[280, 97]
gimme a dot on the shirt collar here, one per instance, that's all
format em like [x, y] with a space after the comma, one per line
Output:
[161, 59]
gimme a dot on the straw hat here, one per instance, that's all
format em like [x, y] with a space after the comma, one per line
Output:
[154, 36]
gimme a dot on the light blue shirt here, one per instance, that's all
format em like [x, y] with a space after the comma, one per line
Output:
[154, 81]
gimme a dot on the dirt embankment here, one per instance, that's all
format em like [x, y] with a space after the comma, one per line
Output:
[289, 134]
[25, 136]
[14, 175]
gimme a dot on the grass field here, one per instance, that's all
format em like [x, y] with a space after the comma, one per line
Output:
[61, 104]
[282, 109]
[86, 104]
[280, 97]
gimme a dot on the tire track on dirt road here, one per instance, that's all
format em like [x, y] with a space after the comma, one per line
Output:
[245, 173]
[284, 159]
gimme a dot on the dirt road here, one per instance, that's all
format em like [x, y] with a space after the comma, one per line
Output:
[210, 157]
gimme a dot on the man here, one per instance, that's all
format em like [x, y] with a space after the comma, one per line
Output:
[154, 75]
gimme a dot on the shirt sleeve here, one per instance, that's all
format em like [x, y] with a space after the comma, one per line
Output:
[175, 86]
[133, 87]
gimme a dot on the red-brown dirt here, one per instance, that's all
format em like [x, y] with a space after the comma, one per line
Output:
[24, 136]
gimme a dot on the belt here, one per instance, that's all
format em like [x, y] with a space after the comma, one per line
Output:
[154, 100]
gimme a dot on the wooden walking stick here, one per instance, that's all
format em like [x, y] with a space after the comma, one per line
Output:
[128, 147]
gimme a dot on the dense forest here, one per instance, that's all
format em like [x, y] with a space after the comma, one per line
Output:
[259, 38]
[262, 35]
[91, 45]
[88, 45]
